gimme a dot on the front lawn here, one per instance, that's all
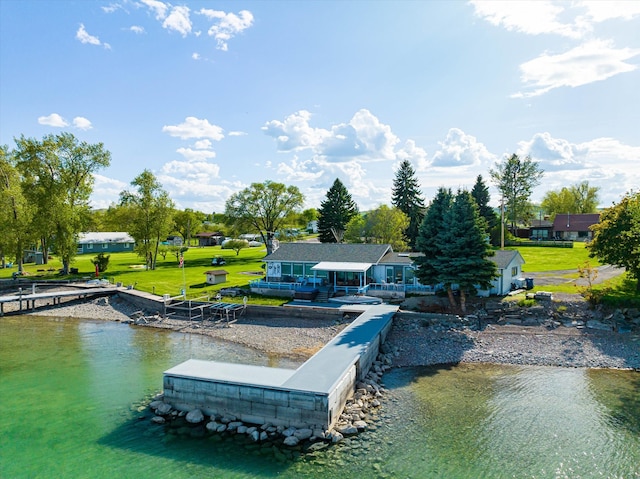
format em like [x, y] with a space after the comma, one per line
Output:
[168, 277]
[539, 259]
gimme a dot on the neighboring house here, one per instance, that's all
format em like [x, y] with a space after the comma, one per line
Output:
[312, 226]
[355, 269]
[175, 240]
[509, 263]
[541, 230]
[575, 227]
[216, 276]
[209, 238]
[105, 242]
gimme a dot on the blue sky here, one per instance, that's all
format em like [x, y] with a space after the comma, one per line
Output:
[212, 96]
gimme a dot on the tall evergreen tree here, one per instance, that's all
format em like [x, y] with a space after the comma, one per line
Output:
[335, 212]
[480, 194]
[464, 249]
[406, 197]
[427, 242]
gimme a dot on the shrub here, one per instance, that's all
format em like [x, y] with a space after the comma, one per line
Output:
[101, 261]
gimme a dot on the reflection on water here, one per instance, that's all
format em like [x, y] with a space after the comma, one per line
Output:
[76, 392]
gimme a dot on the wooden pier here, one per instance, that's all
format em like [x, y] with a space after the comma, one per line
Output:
[28, 300]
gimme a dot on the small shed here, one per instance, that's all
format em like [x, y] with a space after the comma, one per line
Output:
[216, 276]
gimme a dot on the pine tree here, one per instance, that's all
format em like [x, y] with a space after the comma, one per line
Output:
[464, 249]
[335, 212]
[406, 197]
[480, 194]
[427, 241]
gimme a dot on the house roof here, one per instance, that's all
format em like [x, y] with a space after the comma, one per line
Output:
[350, 267]
[331, 252]
[568, 222]
[216, 272]
[105, 237]
[504, 258]
[406, 259]
[208, 234]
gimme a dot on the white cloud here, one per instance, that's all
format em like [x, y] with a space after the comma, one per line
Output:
[192, 127]
[53, 120]
[157, 7]
[602, 162]
[203, 144]
[196, 155]
[178, 20]
[295, 133]
[296, 170]
[226, 25]
[410, 151]
[364, 137]
[200, 170]
[136, 29]
[529, 17]
[195, 56]
[590, 62]
[82, 123]
[106, 191]
[460, 149]
[84, 37]
[112, 8]
[600, 11]
[238, 133]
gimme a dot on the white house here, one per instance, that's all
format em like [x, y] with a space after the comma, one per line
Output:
[509, 263]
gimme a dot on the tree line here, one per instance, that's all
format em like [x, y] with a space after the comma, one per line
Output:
[45, 187]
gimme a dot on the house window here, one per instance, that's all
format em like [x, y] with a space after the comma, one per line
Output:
[286, 269]
[514, 271]
[90, 246]
[127, 246]
[105, 245]
[298, 269]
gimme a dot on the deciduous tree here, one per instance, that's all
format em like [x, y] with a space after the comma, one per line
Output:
[264, 207]
[407, 198]
[616, 238]
[147, 212]
[335, 212]
[16, 213]
[577, 199]
[58, 181]
[516, 178]
[386, 226]
[187, 222]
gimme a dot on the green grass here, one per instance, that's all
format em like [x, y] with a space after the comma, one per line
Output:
[554, 259]
[168, 277]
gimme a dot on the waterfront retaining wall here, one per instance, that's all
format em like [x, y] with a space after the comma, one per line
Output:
[312, 396]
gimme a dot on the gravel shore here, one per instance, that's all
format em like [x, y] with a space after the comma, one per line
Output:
[415, 344]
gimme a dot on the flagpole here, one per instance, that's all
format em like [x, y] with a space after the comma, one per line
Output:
[184, 281]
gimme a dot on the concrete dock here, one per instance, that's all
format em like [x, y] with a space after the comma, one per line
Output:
[311, 396]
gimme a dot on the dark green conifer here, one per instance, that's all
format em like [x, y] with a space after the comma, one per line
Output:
[407, 198]
[335, 212]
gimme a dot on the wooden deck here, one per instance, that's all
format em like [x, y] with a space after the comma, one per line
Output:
[28, 300]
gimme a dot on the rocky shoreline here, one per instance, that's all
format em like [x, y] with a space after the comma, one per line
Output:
[566, 333]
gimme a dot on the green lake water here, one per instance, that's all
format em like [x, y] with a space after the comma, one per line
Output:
[73, 392]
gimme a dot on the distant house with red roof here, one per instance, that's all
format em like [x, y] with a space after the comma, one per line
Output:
[575, 227]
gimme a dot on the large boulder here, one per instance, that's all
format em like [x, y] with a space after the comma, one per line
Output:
[195, 416]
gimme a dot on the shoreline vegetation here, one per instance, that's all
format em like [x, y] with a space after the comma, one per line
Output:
[414, 340]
